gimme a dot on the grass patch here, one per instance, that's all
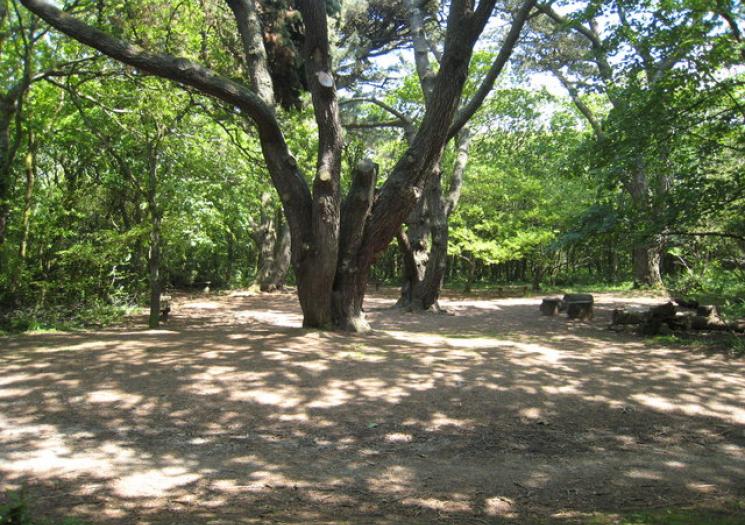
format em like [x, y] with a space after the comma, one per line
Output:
[721, 513]
[726, 343]
[621, 288]
[16, 510]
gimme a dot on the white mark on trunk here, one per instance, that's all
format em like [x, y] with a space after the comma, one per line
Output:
[325, 79]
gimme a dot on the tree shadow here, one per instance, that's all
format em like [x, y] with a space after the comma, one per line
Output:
[234, 414]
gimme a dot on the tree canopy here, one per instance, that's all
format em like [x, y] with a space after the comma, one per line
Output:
[320, 143]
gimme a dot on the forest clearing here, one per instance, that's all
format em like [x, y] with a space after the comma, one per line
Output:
[233, 413]
[372, 261]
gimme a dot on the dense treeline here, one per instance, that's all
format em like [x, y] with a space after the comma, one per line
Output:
[115, 184]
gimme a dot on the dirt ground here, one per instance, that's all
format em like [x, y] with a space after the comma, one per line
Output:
[234, 414]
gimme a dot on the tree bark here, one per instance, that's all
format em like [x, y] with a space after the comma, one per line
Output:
[414, 246]
[350, 281]
[154, 272]
[265, 236]
[645, 253]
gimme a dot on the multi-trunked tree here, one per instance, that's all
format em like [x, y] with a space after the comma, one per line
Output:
[335, 237]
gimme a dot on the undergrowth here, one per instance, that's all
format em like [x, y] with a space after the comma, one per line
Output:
[61, 318]
[16, 510]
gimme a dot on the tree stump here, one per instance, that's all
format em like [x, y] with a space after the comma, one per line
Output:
[581, 310]
[165, 307]
[551, 306]
[578, 305]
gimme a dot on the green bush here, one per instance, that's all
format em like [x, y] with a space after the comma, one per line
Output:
[713, 284]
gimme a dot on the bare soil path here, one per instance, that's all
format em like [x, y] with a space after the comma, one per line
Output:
[234, 414]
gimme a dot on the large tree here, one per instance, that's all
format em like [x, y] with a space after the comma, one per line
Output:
[335, 238]
[637, 55]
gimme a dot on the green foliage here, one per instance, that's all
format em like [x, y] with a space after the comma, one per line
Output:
[711, 283]
[16, 511]
[546, 199]
[519, 194]
[94, 314]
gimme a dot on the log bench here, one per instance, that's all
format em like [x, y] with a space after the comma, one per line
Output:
[579, 305]
[551, 306]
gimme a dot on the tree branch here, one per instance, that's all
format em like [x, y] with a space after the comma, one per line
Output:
[581, 106]
[709, 234]
[390, 109]
[421, 48]
[403, 187]
[591, 34]
[373, 125]
[403, 120]
[465, 114]
[463, 141]
[249, 29]
[166, 66]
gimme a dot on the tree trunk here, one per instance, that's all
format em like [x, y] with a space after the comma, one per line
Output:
[266, 239]
[155, 215]
[282, 257]
[426, 293]
[414, 246]
[470, 274]
[646, 263]
[350, 282]
[426, 252]
[537, 277]
[6, 165]
[154, 273]
[274, 250]
[30, 168]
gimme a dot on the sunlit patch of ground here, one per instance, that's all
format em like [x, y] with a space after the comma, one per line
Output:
[234, 414]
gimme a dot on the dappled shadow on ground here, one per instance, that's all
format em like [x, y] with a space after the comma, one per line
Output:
[234, 414]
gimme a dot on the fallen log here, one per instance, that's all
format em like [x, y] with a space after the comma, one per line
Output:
[665, 318]
[663, 311]
[700, 322]
[660, 319]
[618, 328]
[621, 317]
